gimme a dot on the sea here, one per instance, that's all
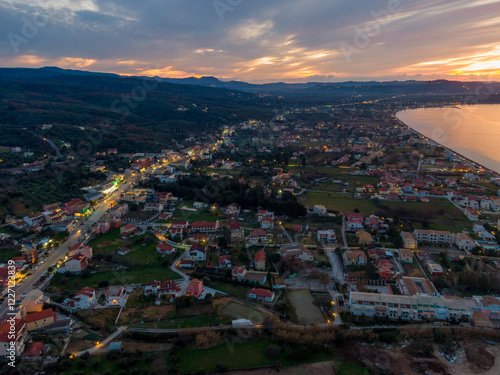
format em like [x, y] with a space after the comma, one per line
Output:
[472, 131]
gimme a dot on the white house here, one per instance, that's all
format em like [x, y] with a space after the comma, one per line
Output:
[327, 236]
[464, 242]
[115, 296]
[85, 299]
[319, 210]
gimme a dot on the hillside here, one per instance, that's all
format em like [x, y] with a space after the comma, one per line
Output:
[141, 111]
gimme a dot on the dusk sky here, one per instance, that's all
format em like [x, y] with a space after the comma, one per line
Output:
[257, 40]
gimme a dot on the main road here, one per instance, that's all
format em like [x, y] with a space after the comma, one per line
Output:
[59, 252]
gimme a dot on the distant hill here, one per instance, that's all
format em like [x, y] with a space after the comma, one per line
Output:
[131, 113]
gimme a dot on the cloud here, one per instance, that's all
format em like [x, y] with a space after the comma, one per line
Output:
[259, 40]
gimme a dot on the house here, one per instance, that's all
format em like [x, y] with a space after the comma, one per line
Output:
[35, 350]
[481, 320]
[464, 242]
[257, 236]
[409, 242]
[326, 236]
[160, 287]
[471, 214]
[75, 264]
[123, 251]
[416, 286]
[354, 258]
[127, 230]
[80, 249]
[225, 261]
[434, 268]
[35, 219]
[261, 295]
[197, 252]
[34, 300]
[205, 226]
[194, 288]
[13, 331]
[295, 252]
[319, 210]
[115, 295]
[264, 214]
[233, 209]
[40, 319]
[267, 223]
[186, 263]
[406, 255]
[165, 249]
[237, 234]
[153, 206]
[260, 260]
[238, 273]
[85, 299]
[364, 238]
[354, 221]
[488, 305]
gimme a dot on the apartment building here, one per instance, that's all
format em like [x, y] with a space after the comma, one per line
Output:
[415, 307]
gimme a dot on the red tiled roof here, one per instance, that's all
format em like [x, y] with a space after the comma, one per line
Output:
[44, 314]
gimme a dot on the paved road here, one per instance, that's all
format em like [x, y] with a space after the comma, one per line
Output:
[99, 346]
[285, 232]
[338, 272]
[59, 253]
[344, 237]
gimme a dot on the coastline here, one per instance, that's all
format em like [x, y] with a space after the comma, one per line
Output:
[447, 149]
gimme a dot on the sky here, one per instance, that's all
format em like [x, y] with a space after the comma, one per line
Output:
[257, 40]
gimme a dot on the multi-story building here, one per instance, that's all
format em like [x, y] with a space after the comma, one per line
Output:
[409, 242]
[115, 296]
[327, 236]
[354, 258]
[408, 307]
[433, 236]
[16, 333]
[464, 242]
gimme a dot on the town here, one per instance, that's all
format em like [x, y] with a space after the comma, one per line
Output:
[318, 218]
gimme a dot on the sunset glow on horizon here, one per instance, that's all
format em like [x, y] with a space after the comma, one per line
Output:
[258, 41]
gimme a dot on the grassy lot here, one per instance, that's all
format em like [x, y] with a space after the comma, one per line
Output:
[239, 291]
[101, 318]
[239, 311]
[189, 322]
[440, 213]
[235, 356]
[338, 202]
[99, 364]
[201, 214]
[303, 306]
[142, 252]
[135, 276]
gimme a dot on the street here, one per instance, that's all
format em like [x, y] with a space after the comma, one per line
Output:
[59, 253]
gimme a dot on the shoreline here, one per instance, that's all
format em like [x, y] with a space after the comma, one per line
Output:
[447, 149]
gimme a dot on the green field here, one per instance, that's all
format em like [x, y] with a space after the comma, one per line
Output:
[239, 311]
[337, 202]
[239, 291]
[233, 355]
[141, 254]
[135, 276]
[305, 311]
